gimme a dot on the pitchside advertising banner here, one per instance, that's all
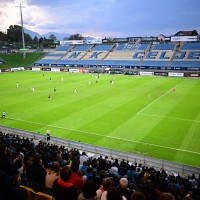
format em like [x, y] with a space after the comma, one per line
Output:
[146, 73]
[74, 70]
[176, 74]
[55, 69]
[45, 69]
[36, 69]
[64, 70]
[160, 74]
[17, 69]
[5, 70]
[192, 75]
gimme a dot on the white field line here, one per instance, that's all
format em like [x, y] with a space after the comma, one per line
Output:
[134, 141]
[176, 118]
[154, 101]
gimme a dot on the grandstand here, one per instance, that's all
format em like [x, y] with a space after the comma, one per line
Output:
[171, 56]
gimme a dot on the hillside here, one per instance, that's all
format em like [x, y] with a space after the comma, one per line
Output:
[17, 60]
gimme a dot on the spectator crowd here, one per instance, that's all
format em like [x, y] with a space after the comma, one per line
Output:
[71, 174]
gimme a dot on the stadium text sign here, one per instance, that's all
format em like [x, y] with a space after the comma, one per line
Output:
[183, 38]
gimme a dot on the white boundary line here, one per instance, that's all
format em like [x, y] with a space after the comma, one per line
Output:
[134, 141]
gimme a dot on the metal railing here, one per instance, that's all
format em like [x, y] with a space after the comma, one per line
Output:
[132, 158]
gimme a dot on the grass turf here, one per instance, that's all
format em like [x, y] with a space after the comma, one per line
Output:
[136, 114]
[17, 60]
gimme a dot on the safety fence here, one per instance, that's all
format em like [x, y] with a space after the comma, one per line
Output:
[96, 150]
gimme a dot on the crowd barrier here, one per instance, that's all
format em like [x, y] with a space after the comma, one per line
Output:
[170, 167]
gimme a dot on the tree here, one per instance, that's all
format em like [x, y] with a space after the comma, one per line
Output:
[109, 39]
[52, 37]
[41, 40]
[76, 36]
[27, 38]
[65, 38]
[35, 40]
[14, 33]
[3, 36]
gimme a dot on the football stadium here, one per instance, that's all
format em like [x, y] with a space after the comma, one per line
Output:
[133, 102]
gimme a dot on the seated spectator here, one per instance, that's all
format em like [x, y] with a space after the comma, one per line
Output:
[62, 189]
[89, 191]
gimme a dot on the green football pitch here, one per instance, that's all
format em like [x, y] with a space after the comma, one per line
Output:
[135, 114]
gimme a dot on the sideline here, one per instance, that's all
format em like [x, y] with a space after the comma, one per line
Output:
[91, 133]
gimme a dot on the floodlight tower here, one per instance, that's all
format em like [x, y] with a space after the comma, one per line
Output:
[22, 4]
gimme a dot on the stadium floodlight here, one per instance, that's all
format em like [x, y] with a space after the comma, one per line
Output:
[22, 4]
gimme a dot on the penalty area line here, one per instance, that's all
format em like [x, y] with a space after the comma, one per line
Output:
[91, 133]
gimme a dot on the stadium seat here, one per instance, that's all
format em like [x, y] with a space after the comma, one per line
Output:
[41, 196]
[27, 192]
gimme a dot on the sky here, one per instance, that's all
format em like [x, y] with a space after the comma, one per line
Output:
[103, 18]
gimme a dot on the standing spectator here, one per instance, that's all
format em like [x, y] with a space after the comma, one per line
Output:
[106, 184]
[6, 164]
[113, 194]
[62, 188]
[138, 196]
[75, 179]
[123, 187]
[7, 191]
[48, 134]
[167, 196]
[52, 174]
[83, 157]
[36, 174]
[113, 170]
[89, 191]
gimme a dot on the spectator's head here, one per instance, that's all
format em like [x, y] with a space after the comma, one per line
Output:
[167, 196]
[65, 173]
[106, 183]
[89, 190]
[36, 158]
[138, 196]
[123, 183]
[55, 167]
[85, 163]
[75, 166]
